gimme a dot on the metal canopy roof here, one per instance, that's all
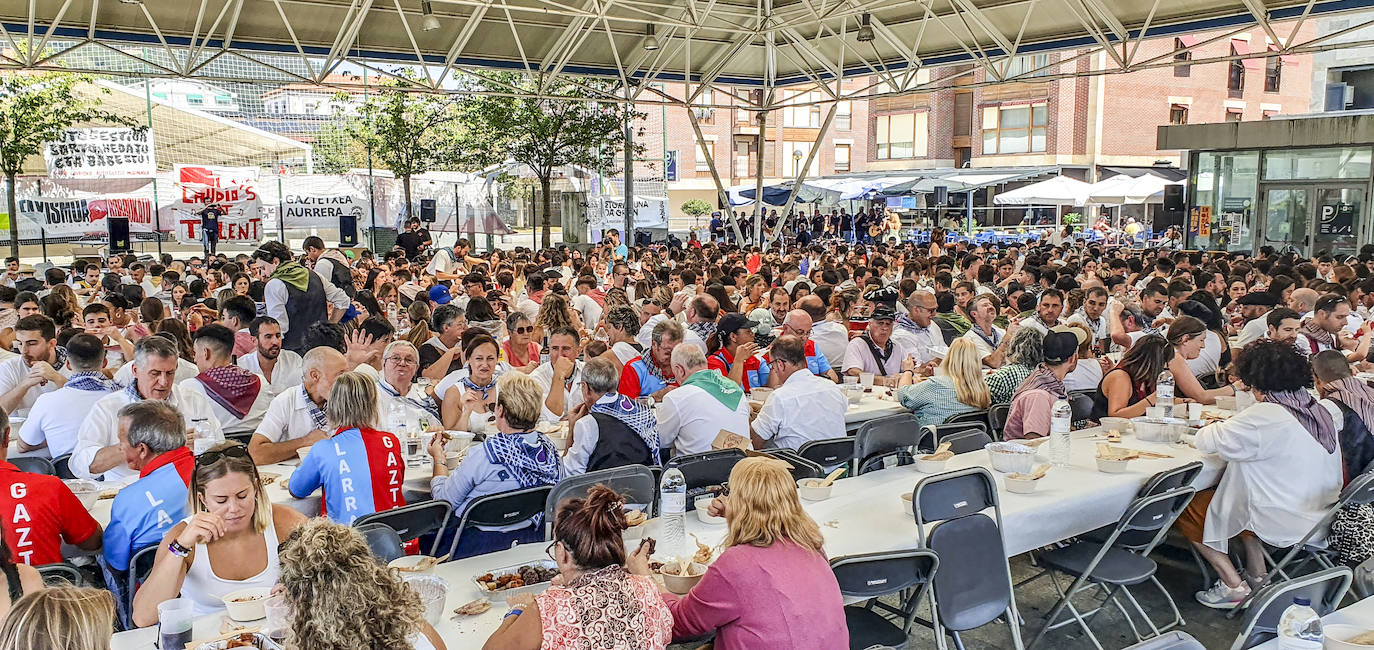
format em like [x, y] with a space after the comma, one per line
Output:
[767, 43]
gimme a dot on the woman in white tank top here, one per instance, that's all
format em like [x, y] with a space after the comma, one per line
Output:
[228, 543]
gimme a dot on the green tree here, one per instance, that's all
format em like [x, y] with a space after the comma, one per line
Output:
[547, 130]
[697, 208]
[36, 109]
[336, 150]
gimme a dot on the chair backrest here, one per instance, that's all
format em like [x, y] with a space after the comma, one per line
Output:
[506, 508]
[997, 419]
[386, 545]
[705, 470]
[1171, 478]
[951, 495]
[876, 574]
[241, 438]
[963, 437]
[973, 586]
[893, 435]
[413, 520]
[140, 565]
[62, 466]
[1324, 589]
[61, 574]
[801, 467]
[1148, 518]
[1175, 640]
[634, 483]
[1081, 405]
[1359, 491]
[980, 416]
[830, 453]
[34, 465]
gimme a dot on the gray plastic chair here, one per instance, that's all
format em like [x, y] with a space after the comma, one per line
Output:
[997, 419]
[61, 574]
[974, 586]
[830, 453]
[634, 483]
[871, 575]
[34, 465]
[980, 416]
[1106, 565]
[1324, 589]
[1176, 640]
[1359, 491]
[963, 437]
[881, 438]
[705, 471]
[413, 521]
[386, 545]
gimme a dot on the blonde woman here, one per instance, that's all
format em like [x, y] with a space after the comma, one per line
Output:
[554, 312]
[60, 618]
[228, 543]
[958, 388]
[772, 588]
[342, 599]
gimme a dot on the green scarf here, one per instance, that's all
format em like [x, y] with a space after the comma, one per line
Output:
[293, 274]
[718, 386]
[956, 320]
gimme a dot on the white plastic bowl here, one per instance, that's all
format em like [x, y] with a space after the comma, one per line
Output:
[680, 585]
[1167, 430]
[406, 562]
[458, 440]
[433, 592]
[703, 507]
[906, 504]
[1110, 466]
[1337, 633]
[1019, 485]
[86, 490]
[247, 604]
[1226, 402]
[927, 466]
[809, 489]
[1011, 457]
[760, 395]
[1116, 424]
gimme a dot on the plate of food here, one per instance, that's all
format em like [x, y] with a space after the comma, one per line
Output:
[248, 639]
[523, 579]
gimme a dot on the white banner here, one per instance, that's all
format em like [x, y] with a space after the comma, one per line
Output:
[322, 211]
[101, 153]
[78, 217]
[231, 192]
[609, 212]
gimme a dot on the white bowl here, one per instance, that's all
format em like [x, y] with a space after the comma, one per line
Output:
[927, 466]
[810, 489]
[1116, 424]
[86, 490]
[406, 562]
[1167, 430]
[247, 604]
[458, 440]
[680, 585]
[906, 504]
[1226, 402]
[703, 506]
[760, 395]
[452, 459]
[1110, 466]
[303, 452]
[1019, 485]
[1337, 633]
[1011, 457]
[433, 592]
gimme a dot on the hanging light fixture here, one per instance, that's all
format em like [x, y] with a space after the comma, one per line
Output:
[430, 22]
[650, 41]
[866, 29]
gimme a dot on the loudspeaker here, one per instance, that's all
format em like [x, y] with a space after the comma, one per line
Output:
[1173, 198]
[348, 230]
[941, 195]
[119, 234]
[427, 208]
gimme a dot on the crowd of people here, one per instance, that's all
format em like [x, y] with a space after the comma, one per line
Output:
[178, 379]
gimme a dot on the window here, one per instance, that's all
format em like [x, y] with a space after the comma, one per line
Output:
[843, 111]
[1235, 79]
[841, 158]
[706, 115]
[1031, 65]
[794, 156]
[705, 147]
[1268, 113]
[1233, 114]
[223, 100]
[195, 100]
[1014, 129]
[896, 136]
[1181, 58]
[1273, 72]
[803, 116]
[1178, 114]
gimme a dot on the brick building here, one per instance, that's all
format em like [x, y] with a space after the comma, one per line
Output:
[1085, 121]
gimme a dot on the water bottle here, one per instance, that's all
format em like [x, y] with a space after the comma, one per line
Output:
[673, 511]
[1300, 628]
[393, 313]
[1061, 416]
[396, 418]
[1164, 392]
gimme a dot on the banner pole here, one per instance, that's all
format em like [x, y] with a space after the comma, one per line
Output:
[42, 225]
[157, 218]
[281, 212]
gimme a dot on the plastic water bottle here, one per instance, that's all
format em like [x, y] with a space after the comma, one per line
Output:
[1300, 628]
[396, 419]
[393, 313]
[1061, 416]
[1164, 392]
[673, 511]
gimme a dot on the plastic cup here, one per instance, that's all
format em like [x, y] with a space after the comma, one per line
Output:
[1155, 412]
[866, 379]
[278, 618]
[433, 592]
[175, 618]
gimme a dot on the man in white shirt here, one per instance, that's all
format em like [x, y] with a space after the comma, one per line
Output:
[919, 333]
[56, 417]
[1254, 307]
[38, 369]
[1047, 310]
[281, 368]
[608, 429]
[875, 351]
[586, 307]
[295, 418]
[990, 340]
[237, 396]
[97, 449]
[831, 338]
[804, 407]
[561, 375]
[1093, 314]
[695, 413]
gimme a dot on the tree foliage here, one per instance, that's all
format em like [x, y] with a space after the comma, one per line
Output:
[697, 208]
[335, 149]
[36, 109]
[545, 131]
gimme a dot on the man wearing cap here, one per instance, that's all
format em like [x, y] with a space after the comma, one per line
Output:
[1029, 416]
[1254, 307]
[874, 351]
[919, 333]
[735, 334]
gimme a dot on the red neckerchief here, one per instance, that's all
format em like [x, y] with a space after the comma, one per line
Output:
[181, 458]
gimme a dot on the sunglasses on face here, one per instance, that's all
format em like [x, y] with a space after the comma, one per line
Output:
[524, 330]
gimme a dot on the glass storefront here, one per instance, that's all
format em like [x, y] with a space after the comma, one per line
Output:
[1225, 186]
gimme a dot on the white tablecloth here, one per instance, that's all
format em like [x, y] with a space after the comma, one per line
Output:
[1360, 613]
[864, 514]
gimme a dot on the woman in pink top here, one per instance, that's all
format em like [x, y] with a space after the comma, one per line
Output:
[521, 353]
[772, 588]
[594, 603]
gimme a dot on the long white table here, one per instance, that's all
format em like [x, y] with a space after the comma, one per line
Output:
[864, 514]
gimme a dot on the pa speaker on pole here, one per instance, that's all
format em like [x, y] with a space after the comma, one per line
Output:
[119, 234]
[1173, 198]
[348, 227]
[427, 210]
